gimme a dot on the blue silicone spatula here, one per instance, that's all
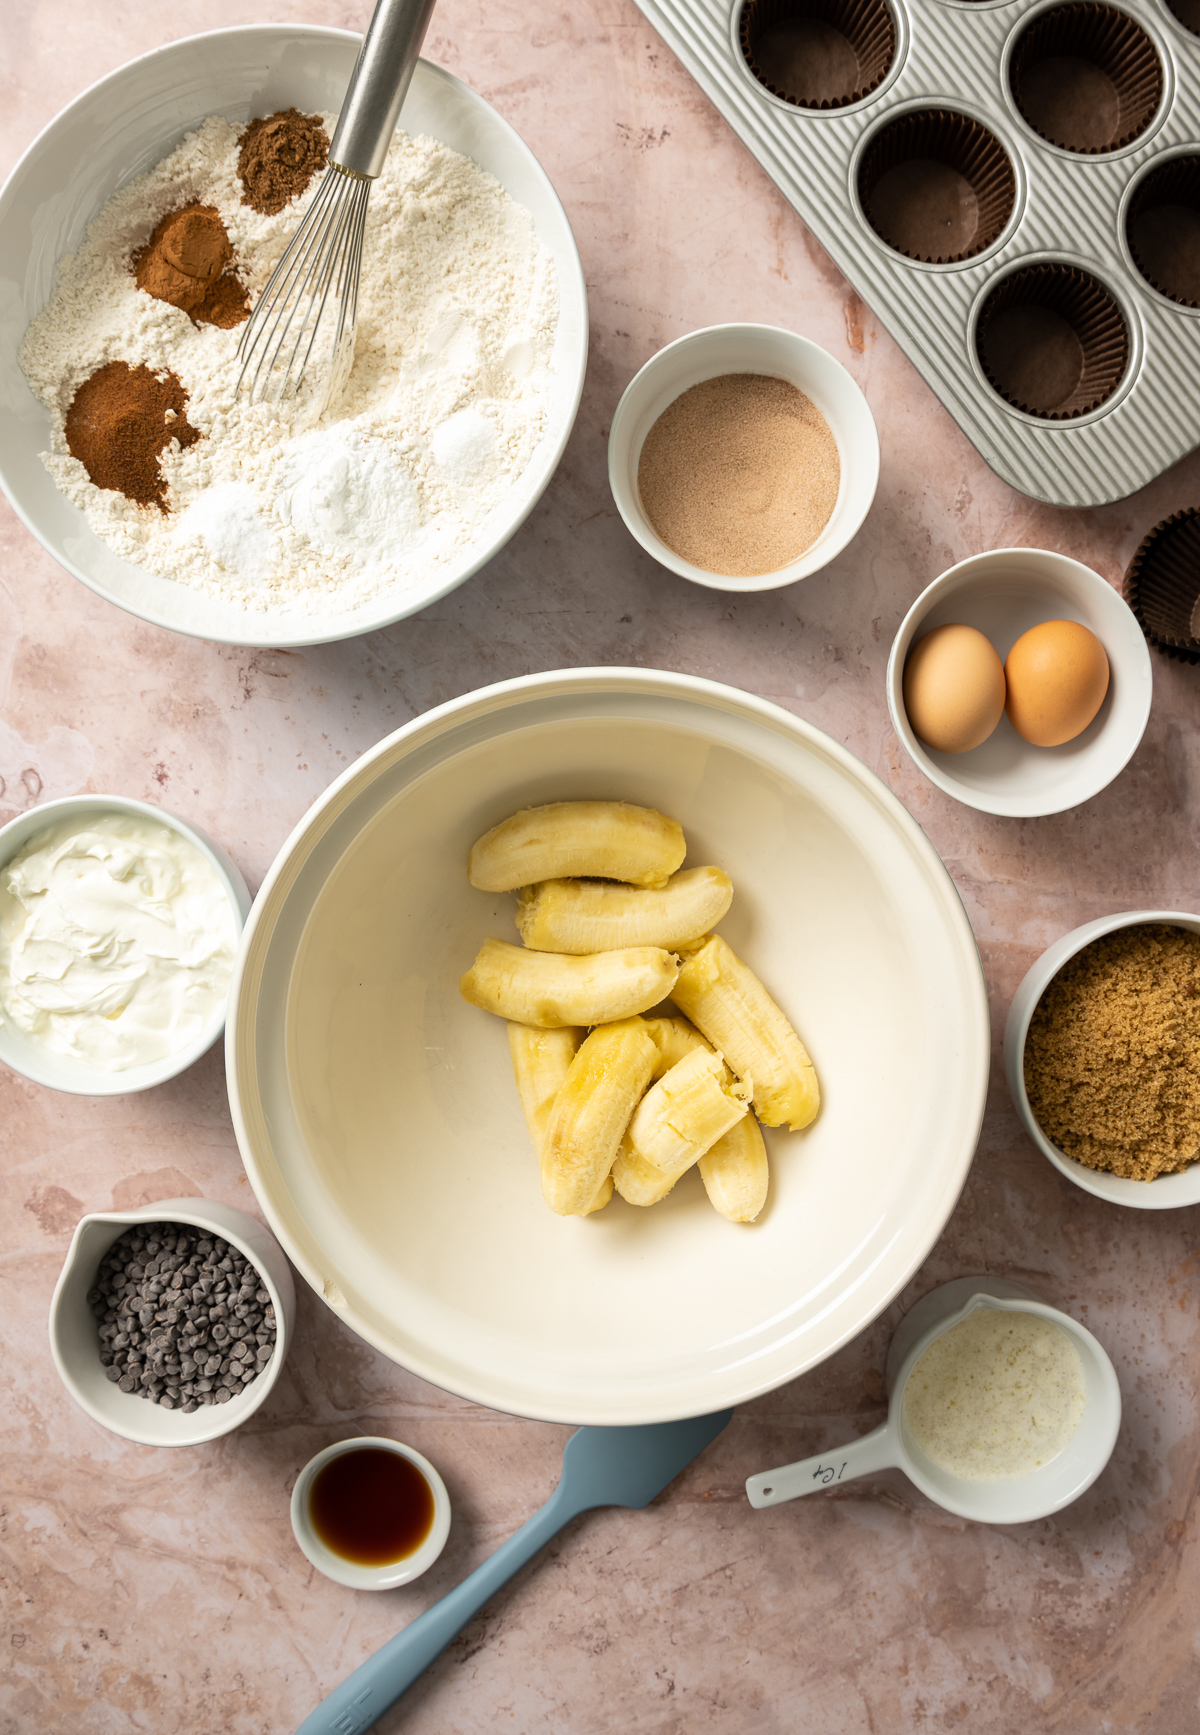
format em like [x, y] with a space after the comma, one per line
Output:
[601, 1467]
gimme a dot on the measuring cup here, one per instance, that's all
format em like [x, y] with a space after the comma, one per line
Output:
[892, 1446]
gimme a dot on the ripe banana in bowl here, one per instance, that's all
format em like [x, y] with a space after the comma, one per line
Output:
[685, 1112]
[551, 988]
[637, 1181]
[610, 840]
[591, 1111]
[734, 1172]
[726, 1002]
[541, 1060]
[600, 916]
[673, 1038]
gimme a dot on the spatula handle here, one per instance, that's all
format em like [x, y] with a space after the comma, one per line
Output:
[366, 1694]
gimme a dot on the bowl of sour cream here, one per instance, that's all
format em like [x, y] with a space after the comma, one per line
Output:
[119, 925]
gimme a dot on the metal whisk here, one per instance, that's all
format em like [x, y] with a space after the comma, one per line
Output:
[317, 278]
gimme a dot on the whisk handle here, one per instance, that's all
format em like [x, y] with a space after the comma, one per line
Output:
[379, 84]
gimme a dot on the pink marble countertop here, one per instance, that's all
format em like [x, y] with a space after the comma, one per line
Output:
[151, 1591]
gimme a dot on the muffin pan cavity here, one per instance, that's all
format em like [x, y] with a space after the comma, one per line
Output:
[1187, 13]
[818, 54]
[1162, 227]
[1052, 341]
[1008, 185]
[1087, 78]
[937, 186]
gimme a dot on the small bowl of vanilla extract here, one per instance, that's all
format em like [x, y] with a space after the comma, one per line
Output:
[370, 1513]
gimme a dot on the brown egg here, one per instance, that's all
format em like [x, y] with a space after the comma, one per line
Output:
[953, 688]
[1057, 676]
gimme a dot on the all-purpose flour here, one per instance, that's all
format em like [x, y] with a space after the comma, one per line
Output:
[444, 408]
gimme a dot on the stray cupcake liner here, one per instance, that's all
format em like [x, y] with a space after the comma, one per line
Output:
[1162, 585]
[1052, 341]
[937, 186]
[791, 48]
[1162, 227]
[1051, 85]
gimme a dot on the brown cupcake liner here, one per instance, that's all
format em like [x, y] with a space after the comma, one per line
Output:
[1052, 341]
[936, 186]
[1053, 75]
[818, 54]
[1187, 12]
[1162, 226]
[1162, 585]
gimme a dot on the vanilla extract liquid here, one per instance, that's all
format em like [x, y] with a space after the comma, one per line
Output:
[371, 1506]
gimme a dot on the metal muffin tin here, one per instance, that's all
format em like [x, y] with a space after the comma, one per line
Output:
[1069, 209]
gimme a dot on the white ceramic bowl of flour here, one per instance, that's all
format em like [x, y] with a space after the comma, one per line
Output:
[126, 124]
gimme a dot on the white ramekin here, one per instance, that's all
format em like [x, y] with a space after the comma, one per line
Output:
[1165, 1192]
[755, 349]
[1003, 593]
[62, 1071]
[75, 1336]
[348, 1572]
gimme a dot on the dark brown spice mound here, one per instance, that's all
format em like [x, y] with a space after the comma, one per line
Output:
[186, 262]
[119, 422]
[1112, 1059]
[279, 157]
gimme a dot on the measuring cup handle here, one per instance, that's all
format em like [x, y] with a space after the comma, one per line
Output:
[875, 1451]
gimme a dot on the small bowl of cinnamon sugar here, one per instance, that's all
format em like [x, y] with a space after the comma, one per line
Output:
[743, 457]
[1102, 1057]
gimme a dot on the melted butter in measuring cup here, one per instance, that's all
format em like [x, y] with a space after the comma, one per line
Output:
[117, 940]
[997, 1396]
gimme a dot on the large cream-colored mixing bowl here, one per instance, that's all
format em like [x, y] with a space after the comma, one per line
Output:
[377, 1114]
[126, 124]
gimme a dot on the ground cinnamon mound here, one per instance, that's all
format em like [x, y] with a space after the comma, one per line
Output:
[280, 154]
[1112, 1059]
[186, 263]
[119, 422]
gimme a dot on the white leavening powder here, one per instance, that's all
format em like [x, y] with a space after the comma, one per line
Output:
[445, 405]
[997, 1396]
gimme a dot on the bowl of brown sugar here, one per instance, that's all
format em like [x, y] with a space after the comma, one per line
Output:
[743, 457]
[1102, 1057]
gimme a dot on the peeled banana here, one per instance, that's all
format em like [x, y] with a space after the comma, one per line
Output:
[591, 1112]
[599, 916]
[685, 1112]
[551, 988]
[541, 1060]
[673, 1038]
[734, 1172]
[726, 1001]
[610, 840]
[637, 1181]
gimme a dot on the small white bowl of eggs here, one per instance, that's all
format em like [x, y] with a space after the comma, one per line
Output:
[1019, 682]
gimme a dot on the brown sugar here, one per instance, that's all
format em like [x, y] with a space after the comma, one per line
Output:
[119, 422]
[1112, 1058]
[740, 474]
[186, 262]
[280, 154]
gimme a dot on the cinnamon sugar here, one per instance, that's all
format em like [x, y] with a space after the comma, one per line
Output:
[740, 474]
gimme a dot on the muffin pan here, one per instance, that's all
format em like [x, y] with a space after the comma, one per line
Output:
[1015, 190]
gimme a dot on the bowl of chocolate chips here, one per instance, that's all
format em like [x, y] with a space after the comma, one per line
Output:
[170, 1324]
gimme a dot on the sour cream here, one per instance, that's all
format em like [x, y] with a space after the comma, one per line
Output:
[117, 940]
